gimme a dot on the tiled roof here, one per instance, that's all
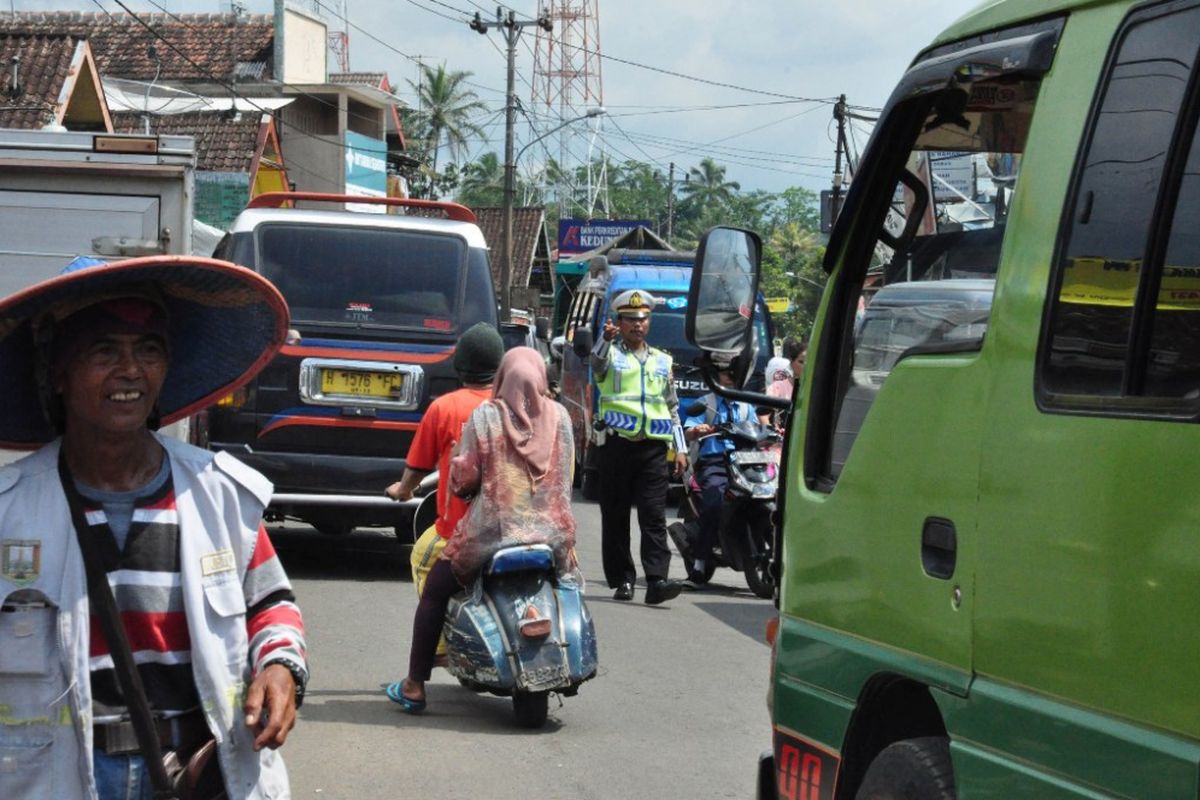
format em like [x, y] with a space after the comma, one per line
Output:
[528, 225]
[45, 61]
[376, 79]
[211, 42]
[222, 144]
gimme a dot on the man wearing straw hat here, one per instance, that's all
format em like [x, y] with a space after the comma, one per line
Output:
[93, 361]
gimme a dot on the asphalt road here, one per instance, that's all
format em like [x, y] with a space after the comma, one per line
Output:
[677, 710]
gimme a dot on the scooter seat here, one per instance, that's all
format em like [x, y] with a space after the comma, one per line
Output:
[521, 558]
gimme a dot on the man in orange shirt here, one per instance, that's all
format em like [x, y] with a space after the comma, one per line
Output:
[476, 359]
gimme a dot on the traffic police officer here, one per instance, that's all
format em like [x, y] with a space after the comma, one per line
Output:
[638, 417]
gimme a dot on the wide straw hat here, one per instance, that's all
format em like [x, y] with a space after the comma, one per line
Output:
[225, 324]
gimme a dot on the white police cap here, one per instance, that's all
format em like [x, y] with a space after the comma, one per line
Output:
[634, 303]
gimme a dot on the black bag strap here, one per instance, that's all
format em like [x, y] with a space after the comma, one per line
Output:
[105, 608]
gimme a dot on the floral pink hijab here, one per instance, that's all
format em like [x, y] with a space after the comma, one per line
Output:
[528, 414]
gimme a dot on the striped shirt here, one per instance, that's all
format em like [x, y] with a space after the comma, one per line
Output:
[146, 583]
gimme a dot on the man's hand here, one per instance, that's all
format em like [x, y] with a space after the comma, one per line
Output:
[397, 491]
[681, 461]
[696, 431]
[610, 330]
[270, 706]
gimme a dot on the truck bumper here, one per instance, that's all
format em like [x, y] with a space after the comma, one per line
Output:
[307, 479]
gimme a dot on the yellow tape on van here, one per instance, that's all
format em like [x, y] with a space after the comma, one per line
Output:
[1097, 281]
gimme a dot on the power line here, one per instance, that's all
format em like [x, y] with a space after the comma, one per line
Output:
[219, 81]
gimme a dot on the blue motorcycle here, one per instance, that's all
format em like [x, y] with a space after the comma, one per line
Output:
[520, 631]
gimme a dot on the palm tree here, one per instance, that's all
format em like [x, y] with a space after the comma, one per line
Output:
[706, 185]
[449, 110]
[483, 182]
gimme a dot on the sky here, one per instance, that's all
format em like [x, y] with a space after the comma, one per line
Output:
[771, 126]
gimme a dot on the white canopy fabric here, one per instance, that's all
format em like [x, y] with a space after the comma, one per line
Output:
[155, 99]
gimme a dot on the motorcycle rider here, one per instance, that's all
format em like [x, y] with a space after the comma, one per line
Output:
[709, 455]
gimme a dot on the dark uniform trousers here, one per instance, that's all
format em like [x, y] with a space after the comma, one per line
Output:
[633, 472]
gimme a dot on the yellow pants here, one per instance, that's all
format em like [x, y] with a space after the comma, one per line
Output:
[426, 551]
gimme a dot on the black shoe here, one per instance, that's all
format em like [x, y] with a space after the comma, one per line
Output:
[624, 592]
[660, 590]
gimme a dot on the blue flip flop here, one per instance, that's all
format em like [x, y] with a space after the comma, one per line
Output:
[395, 694]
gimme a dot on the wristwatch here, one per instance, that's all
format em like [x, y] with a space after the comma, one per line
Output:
[299, 677]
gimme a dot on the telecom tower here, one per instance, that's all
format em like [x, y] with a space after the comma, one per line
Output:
[339, 40]
[566, 85]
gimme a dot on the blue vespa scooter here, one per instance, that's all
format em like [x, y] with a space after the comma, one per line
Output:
[520, 631]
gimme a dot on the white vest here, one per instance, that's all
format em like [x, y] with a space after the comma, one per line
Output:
[45, 689]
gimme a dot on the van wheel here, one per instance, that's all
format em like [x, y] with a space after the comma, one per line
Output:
[531, 708]
[911, 769]
[590, 485]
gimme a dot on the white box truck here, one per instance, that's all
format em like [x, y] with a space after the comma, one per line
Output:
[70, 193]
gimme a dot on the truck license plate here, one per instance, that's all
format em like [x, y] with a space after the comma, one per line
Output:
[384, 385]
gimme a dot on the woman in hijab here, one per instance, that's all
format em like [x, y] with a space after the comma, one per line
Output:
[779, 378]
[779, 384]
[514, 460]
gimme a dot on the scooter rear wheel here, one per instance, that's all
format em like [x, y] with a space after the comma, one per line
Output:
[531, 708]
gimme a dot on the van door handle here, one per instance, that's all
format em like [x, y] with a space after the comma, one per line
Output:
[939, 547]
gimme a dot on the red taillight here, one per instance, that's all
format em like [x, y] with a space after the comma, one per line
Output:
[772, 630]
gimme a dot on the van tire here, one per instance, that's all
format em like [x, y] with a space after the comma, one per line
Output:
[911, 769]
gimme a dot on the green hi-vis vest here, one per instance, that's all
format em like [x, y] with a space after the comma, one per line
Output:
[631, 394]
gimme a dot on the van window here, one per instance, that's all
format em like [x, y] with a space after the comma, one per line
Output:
[355, 276]
[1124, 327]
[945, 220]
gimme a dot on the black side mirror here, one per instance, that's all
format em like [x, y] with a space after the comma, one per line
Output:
[696, 408]
[583, 342]
[541, 329]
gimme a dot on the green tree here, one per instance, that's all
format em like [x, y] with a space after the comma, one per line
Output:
[792, 257]
[796, 205]
[482, 182]
[706, 187]
[448, 113]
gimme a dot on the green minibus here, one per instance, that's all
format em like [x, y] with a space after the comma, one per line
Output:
[989, 564]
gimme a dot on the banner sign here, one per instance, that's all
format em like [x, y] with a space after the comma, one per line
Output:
[366, 170]
[220, 197]
[582, 235]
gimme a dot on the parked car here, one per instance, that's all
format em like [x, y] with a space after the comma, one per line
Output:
[534, 333]
[907, 319]
[378, 302]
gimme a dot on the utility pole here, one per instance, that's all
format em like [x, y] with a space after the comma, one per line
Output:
[512, 31]
[670, 200]
[835, 199]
